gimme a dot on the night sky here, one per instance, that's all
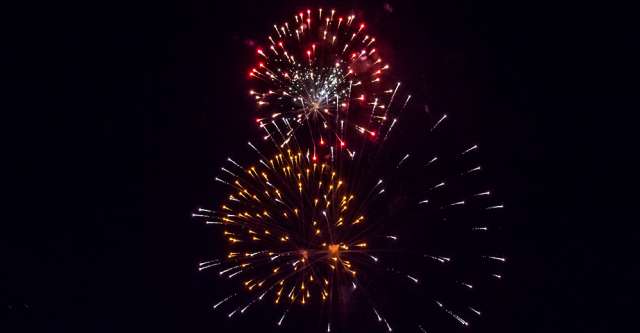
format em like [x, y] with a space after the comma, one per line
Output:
[125, 114]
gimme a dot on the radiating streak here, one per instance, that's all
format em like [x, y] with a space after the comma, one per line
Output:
[466, 285]
[439, 185]
[457, 203]
[388, 327]
[222, 301]
[374, 258]
[377, 314]
[495, 207]
[440, 259]
[282, 318]
[496, 258]
[475, 311]
[254, 148]
[234, 274]
[482, 194]
[402, 160]
[438, 122]
[229, 172]
[205, 210]
[426, 201]
[455, 316]
[203, 267]
[198, 215]
[220, 180]
[392, 237]
[412, 278]
[393, 123]
[246, 307]
[432, 160]
[228, 269]
[497, 276]
[478, 168]
[208, 262]
[234, 162]
[480, 228]
[422, 329]
[474, 147]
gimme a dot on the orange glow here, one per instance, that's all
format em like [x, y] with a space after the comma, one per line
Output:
[334, 249]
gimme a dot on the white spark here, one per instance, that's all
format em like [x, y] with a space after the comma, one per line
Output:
[478, 168]
[282, 318]
[438, 122]
[402, 160]
[222, 301]
[234, 163]
[388, 327]
[474, 147]
[228, 269]
[496, 258]
[432, 160]
[220, 180]
[236, 273]
[377, 314]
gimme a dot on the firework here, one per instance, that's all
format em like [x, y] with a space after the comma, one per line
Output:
[291, 225]
[303, 234]
[308, 230]
[321, 70]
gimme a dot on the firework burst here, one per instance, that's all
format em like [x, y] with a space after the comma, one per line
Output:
[293, 226]
[323, 70]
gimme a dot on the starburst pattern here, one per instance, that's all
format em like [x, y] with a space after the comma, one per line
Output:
[322, 71]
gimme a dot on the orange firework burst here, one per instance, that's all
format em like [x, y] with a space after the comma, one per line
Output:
[292, 226]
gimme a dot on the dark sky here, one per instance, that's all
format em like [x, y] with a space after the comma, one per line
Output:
[128, 110]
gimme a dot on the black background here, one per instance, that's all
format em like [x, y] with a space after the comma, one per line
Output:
[117, 115]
